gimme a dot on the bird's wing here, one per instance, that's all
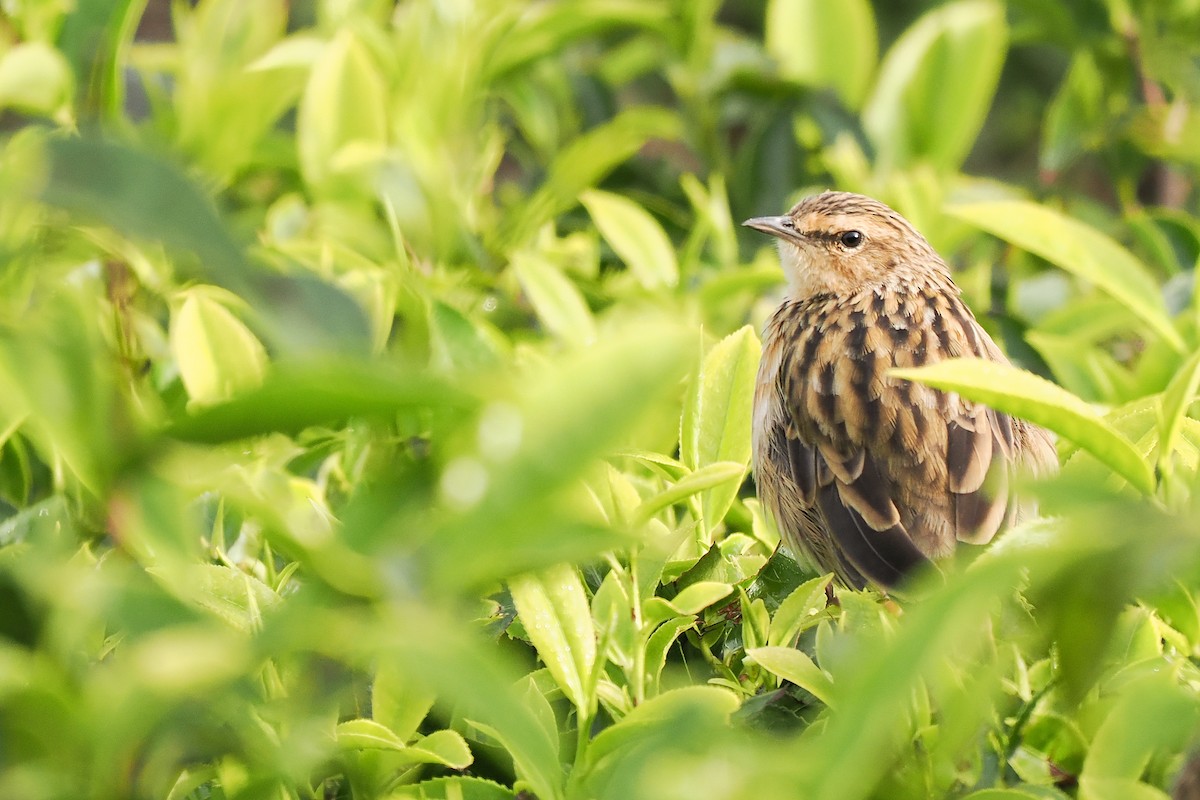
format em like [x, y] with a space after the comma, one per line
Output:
[897, 471]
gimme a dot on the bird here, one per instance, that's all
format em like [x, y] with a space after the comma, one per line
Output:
[868, 476]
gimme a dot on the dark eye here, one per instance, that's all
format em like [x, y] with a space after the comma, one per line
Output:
[851, 239]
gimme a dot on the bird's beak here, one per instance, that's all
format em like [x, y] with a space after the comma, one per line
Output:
[783, 227]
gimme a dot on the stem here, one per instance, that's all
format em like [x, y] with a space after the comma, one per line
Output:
[640, 641]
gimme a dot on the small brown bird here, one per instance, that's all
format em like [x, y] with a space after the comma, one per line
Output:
[870, 476]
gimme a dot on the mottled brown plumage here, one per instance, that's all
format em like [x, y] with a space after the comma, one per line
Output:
[866, 475]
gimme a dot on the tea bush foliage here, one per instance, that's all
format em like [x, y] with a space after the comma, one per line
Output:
[375, 397]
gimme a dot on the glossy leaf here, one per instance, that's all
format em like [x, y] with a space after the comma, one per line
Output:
[555, 612]
[689, 602]
[719, 473]
[716, 417]
[794, 666]
[798, 610]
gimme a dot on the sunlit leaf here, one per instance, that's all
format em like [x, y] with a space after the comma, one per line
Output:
[1150, 716]
[716, 417]
[559, 305]
[1173, 408]
[218, 356]
[690, 601]
[704, 479]
[794, 666]
[1079, 249]
[824, 44]
[458, 787]
[635, 236]
[584, 162]
[936, 83]
[1030, 397]
[344, 104]
[798, 610]
[555, 613]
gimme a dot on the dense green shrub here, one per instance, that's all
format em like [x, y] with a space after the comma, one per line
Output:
[375, 399]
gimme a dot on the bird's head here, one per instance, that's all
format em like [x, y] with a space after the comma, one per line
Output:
[840, 243]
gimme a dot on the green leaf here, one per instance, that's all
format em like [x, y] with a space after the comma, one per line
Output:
[217, 355]
[1023, 394]
[687, 603]
[141, 196]
[715, 425]
[1003, 794]
[823, 44]
[659, 644]
[457, 787]
[689, 702]
[873, 693]
[702, 480]
[1151, 717]
[635, 236]
[1173, 408]
[569, 413]
[145, 197]
[295, 396]
[542, 31]
[345, 104]
[446, 748]
[583, 163]
[1091, 788]
[795, 666]
[34, 79]
[936, 84]
[232, 595]
[555, 613]
[399, 704]
[1076, 116]
[1079, 249]
[366, 734]
[558, 303]
[799, 610]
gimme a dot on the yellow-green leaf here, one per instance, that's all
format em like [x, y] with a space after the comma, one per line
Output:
[936, 84]
[558, 303]
[821, 43]
[217, 354]
[635, 236]
[1079, 249]
[554, 610]
[716, 419]
[1173, 407]
[688, 603]
[1023, 394]
[702, 480]
[345, 103]
[795, 666]
[366, 734]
